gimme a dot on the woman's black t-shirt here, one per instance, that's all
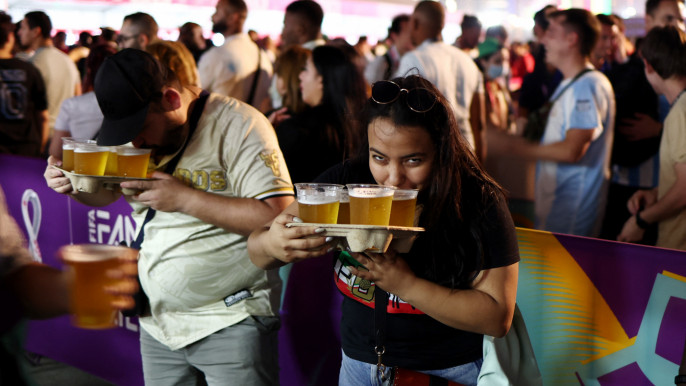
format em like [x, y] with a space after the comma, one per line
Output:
[309, 144]
[413, 339]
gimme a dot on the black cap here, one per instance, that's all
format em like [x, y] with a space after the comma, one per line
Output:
[125, 85]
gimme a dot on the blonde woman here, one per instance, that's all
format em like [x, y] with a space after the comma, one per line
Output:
[287, 70]
[177, 57]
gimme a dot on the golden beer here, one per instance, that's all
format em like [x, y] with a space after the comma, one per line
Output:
[111, 166]
[370, 210]
[90, 160]
[68, 157]
[133, 165]
[402, 212]
[344, 213]
[87, 264]
[318, 212]
[68, 146]
[318, 203]
[403, 208]
[370, 204]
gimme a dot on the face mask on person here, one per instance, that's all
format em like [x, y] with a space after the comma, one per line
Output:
[495, 71]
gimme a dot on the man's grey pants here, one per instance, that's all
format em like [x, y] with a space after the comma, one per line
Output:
[244, 354]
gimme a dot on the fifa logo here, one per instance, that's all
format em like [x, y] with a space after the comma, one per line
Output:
[102, 230]
[31, 212]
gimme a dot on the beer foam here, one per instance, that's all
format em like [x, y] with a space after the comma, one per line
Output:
[370, 192]
[90, 150]
[405, 194]
[68, 146]
[316, 200]
[88, 253]
[125, 150]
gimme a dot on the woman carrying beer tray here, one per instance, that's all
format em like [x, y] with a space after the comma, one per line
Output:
[458, 281]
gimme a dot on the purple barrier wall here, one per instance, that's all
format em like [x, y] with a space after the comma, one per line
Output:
[597, 312]
[50, 220]
[309, 345]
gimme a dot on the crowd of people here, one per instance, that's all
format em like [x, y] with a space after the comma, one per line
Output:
[599, 117]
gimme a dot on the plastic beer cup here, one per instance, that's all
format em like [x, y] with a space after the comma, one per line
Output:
[318, 203]
[370, 204]
[68, 145]
[87, 265]
[90, 159]
[403, 207]
[132, 162]
[111, 165]
[67, 153]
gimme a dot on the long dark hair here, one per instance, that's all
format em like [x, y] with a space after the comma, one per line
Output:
[456, 197]
[344, 93]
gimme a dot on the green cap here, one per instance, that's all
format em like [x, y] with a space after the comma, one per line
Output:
[488, 47]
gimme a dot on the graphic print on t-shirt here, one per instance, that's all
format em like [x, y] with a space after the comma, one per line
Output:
[13, 94]
[271, 160]
[208, 181]
[362, 290]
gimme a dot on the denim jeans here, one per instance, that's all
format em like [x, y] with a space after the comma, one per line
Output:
[356, 373]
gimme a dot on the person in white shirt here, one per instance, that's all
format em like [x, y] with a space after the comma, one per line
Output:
[451, 70]
[230, 69]
[384, 66]
[573, 169]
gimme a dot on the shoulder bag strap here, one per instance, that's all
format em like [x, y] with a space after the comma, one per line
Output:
[585, 70]
[253, 88]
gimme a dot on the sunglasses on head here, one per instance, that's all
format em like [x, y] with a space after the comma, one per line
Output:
[419, 100]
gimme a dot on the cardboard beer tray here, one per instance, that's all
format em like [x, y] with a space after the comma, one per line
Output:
[369, 238]
[92, 184]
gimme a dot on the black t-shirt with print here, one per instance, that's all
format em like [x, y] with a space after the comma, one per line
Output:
[309, 144]
[23, 96]
[413, 339]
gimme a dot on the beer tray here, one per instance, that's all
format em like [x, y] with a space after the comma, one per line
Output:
[92, 184]
[368, 238]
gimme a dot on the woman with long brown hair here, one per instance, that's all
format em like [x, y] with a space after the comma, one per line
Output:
[327, 131]
[459, 280]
